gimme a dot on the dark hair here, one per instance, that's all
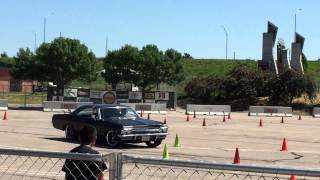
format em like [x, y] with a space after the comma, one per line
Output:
[87, 133]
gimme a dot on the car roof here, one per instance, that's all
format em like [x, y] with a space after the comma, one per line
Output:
[108, 105]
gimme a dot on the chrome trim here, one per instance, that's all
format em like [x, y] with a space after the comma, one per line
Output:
[153, 134]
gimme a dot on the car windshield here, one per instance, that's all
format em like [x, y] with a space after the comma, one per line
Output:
[119, 112]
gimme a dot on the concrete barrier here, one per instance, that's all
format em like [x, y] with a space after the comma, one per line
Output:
[218, 110]
[270, 111]
[3, 104]
[61, 106]
[152, 108]
[316, 112]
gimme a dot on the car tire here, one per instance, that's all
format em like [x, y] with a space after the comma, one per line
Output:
[111, 138]
[155, 143]
[69, 132]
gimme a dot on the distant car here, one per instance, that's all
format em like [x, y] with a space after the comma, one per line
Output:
[116, 124]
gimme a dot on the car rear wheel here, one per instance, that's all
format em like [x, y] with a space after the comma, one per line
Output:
[154, 143]
[112, 138]
[69, 133]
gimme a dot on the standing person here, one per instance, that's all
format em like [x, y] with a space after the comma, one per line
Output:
[85, 170]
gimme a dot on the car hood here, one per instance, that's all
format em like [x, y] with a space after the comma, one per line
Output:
[136, 122]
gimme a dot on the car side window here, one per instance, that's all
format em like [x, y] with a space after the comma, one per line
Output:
[130, 113]
[86, 112]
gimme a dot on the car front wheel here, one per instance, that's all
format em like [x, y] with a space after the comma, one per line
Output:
[153, 144]
[111, 138]
[69, 133]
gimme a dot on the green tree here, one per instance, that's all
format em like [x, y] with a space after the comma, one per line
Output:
[4, 55]
[187, 56]
[290, 85]
[145, 68]
[172, 68]
[154, 67]
[118, 65]
[238, 88]
[148, 67]
[25, 66]
[64, 60]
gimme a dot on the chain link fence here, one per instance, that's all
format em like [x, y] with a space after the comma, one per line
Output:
[153, 168]
[24, 98]
[28, 164]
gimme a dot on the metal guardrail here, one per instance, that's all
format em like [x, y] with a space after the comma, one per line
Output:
[30, 164]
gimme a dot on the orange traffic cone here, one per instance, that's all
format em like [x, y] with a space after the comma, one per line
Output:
[229, 116]
[165, 121]
[188, 118]
[260, 124]
[282, 120]
[5, 116]
[204, 122]
[284, 145]
[224, 118]
[148, 115]
[293, 177]
[236, 159]
[300, 117]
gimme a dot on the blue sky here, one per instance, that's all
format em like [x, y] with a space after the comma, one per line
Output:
[192, 26]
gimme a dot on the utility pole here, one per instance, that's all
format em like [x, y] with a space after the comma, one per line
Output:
[35, 41]
[106, 53]
[226, 33]
[44, 30]
[234, 55]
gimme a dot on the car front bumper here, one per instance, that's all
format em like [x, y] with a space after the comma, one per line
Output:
[142, 137]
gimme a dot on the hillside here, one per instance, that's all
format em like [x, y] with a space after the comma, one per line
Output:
[204, 67]
[193, 68]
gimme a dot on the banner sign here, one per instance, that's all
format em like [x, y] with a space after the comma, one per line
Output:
[162, 96]
[122, 94]
[68, 92]
[149, 95]
[83, 92]
[135, 95]
[96, 94]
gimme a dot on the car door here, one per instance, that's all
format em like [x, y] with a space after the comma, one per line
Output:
[83, 117]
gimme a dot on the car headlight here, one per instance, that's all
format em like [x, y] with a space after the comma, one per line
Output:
[126, 130]
[164, 128]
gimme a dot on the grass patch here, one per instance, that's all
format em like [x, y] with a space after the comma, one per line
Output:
[24, 98]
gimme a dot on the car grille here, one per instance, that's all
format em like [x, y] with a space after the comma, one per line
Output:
[146, 130]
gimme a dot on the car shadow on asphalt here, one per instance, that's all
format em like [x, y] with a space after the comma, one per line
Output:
[101, 144]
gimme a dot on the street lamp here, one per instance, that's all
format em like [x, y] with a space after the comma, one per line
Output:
[226, 33]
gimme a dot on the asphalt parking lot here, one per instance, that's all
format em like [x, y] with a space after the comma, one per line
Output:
[215, 142]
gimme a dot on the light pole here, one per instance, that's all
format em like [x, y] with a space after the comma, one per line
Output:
[226, 33]
[295, 22]
[44, 29]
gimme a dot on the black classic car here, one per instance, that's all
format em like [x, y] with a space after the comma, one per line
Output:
[116, 124]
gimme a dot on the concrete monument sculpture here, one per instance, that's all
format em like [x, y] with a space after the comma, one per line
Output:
[269, 38]
[282, 56]
[296, 53]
